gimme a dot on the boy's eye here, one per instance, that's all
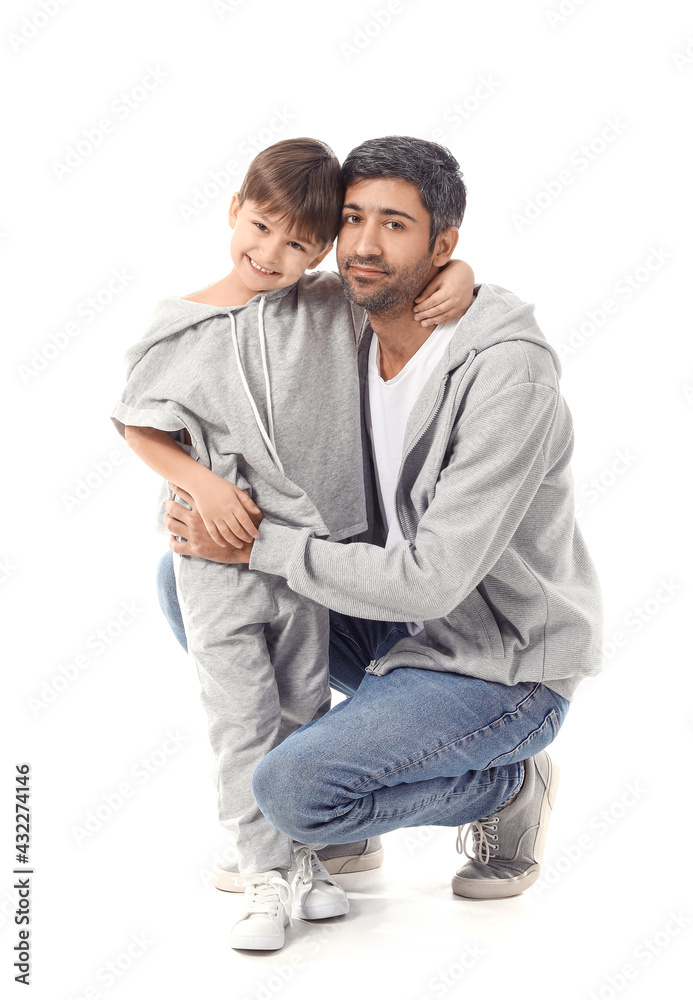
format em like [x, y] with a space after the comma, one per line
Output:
[262, 226]
[298, 246]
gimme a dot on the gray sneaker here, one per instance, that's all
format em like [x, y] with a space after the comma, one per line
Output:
[343, 859]
[508, 847]
[338, 859]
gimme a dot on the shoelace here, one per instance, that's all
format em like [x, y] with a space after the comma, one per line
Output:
[310, 866]
[265, 894]
[483, 832]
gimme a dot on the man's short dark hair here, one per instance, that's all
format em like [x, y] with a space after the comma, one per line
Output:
[299, 180]
[430, 167]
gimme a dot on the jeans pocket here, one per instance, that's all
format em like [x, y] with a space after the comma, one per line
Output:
[537, 740]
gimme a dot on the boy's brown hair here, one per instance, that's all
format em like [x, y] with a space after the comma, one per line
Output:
[300, 181]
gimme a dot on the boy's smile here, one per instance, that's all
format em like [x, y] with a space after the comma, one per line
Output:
[265, 254]
[256, 267]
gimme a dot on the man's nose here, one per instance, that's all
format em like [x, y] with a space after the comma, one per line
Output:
[368, 243]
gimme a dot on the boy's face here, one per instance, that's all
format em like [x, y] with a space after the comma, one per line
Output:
[265, 254]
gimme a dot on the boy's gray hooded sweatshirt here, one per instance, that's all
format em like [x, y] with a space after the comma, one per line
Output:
[493, 562]
[277, 413]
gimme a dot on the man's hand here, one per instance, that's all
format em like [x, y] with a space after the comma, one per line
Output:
[190, 526]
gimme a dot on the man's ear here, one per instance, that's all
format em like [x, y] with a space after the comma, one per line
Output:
[445, 246]
[233, 209]
[320, 258]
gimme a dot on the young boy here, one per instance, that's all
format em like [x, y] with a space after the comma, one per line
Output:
[248, 391]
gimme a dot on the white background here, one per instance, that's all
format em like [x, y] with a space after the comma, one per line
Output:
[534, 85]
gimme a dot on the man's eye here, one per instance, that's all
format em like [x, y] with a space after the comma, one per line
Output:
[395, 225]
[351, 218]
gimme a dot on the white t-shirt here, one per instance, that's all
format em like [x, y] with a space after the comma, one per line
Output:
[389, 406]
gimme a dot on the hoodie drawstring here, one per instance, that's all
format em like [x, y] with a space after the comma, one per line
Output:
[268, 438]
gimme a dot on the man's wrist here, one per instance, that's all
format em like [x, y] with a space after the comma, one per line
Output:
[275, 548]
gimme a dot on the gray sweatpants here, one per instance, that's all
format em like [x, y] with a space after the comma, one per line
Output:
[261, 652]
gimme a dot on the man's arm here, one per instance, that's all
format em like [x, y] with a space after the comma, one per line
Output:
[495, 468]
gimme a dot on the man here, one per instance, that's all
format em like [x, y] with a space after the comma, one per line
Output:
[462, 622]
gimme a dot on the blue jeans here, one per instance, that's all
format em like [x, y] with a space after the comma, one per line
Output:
[411, 748]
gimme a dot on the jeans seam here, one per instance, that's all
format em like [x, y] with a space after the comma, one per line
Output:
[366, 652]
[400, 813]
[452, 743]
[351, 638]
[551, 719]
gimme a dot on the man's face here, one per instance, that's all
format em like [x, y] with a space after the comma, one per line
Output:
[382, 249]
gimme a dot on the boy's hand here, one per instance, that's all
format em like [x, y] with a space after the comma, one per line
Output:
[196, 541]
[447, 296]
[226, 511]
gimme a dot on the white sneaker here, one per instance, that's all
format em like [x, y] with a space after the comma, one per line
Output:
[266, 912]
[316, 894]
[338, 859]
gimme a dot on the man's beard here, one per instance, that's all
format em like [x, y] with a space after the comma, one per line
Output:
[397, 297]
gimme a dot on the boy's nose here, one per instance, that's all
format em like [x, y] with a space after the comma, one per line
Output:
[271, 251]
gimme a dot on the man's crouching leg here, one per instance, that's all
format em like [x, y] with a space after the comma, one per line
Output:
[292, 792]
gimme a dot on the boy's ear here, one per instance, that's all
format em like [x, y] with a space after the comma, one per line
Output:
[445, 246]
[320, 258]
[233, 209]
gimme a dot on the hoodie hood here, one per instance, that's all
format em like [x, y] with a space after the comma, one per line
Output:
[496, 315]
[174, 314]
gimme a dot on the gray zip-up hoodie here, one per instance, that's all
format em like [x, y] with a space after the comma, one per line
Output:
[493, 562]
[268, 392]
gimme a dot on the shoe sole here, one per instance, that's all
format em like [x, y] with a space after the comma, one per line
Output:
[354, 863]
[228, 881]
[257, 942]
[504, 888]
[336, 909]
